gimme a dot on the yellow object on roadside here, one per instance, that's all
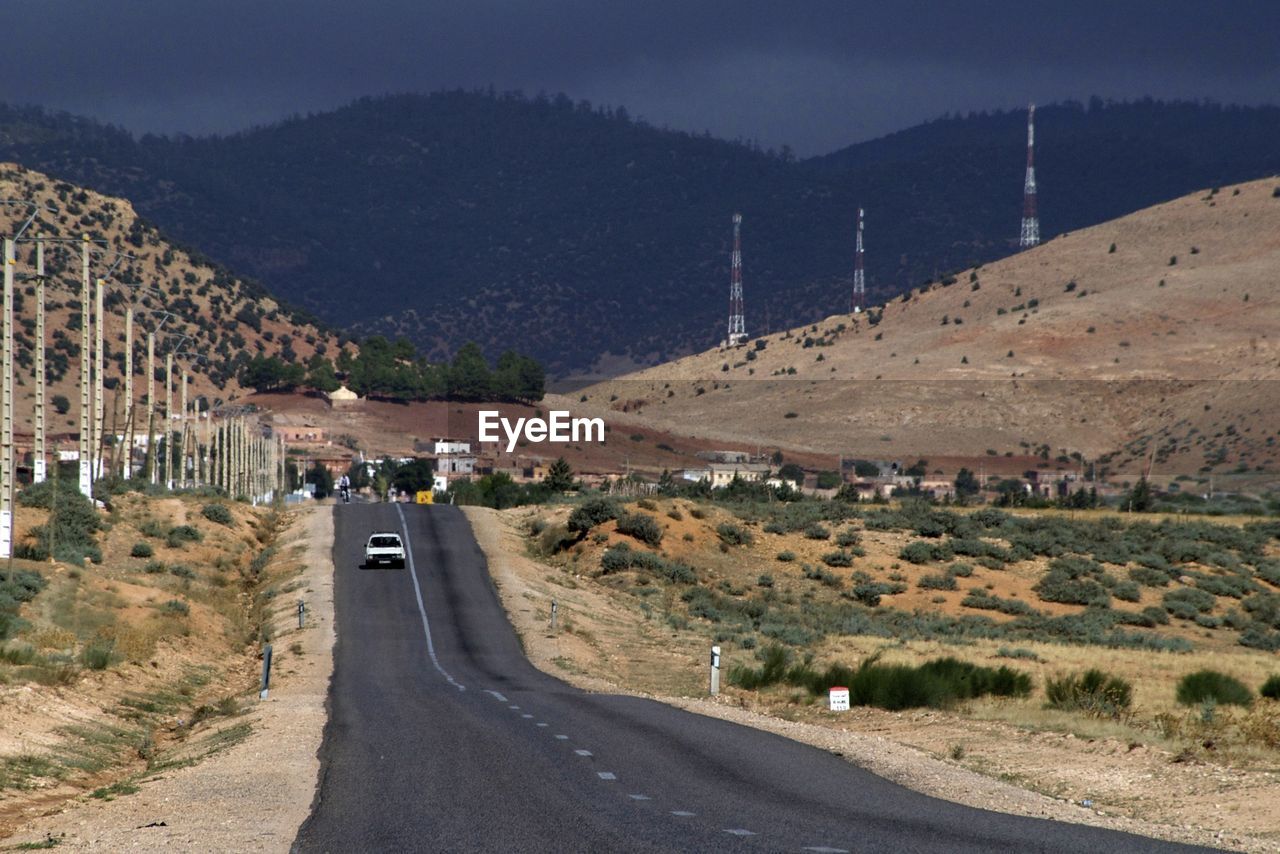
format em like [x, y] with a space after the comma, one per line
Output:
[424, 497]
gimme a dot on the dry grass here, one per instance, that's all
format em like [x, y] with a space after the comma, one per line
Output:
[1090, 374]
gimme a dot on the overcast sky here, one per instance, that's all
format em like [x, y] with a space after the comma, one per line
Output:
[810, 73]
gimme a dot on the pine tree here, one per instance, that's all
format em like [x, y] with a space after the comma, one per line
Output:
[560, 476]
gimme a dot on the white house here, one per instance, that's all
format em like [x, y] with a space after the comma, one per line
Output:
[446, 447]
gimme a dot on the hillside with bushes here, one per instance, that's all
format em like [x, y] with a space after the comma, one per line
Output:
[216, 321]
[1144, 344]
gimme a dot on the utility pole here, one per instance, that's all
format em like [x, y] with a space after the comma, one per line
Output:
[86, 378]
[859, 274]
[100, 439]
[737, 323]
[6, 427]
[1030, 214]
[151, 407]
[182, 453]
[38, 460]
[168, 420]
[128, 392]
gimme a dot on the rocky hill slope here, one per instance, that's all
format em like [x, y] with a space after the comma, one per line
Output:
[1149, 341]
[215, 321]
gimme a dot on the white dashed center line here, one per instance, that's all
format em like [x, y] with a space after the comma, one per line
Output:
[540, 723]
[526, 715]
[822, 849]
[739, 831]
[683, 813]
[562, 737]
[640, 797]
[583, 752]
[497, 696]
[606, 775]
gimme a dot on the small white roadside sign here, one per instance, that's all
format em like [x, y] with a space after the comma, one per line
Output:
[839, 699]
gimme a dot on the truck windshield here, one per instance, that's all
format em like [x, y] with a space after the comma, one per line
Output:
[384, 542]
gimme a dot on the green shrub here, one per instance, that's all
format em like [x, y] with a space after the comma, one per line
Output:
[176, 606]
[219, 513]
[590, 513]
[1271, 688]
[939, 683]
[621, 557]
[734, 535]
[765, 580]
[182, 571]
[141, 549]
[1187, 602]
[938, 581]
[98, 655]
[1149, 577]
[774, 659]
[640, 526]
[69, 535]
[1094, 692]
[1211, 685]
[848, 537]
[179, 535]
[155, 567]
[918, 552]
[786, 556]
[1073, 581]
[817, 532]
[838, 559]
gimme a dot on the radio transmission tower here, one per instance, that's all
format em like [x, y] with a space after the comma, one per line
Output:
[737, 323]
[1030, 217]
[859, 273]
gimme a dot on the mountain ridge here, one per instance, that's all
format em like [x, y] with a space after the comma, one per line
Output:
[600, 242]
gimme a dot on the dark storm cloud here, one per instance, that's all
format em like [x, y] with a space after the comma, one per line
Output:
[816, 75]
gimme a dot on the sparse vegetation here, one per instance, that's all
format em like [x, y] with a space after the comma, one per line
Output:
[1212, 686]
[1093, 692]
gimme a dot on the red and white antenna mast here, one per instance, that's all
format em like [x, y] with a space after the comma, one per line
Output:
[859, 273]
[1030, 217]
[737, 323]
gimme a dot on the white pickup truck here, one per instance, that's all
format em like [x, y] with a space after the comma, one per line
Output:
[384, 547]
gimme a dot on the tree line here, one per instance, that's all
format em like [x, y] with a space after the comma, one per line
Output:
[395, 371]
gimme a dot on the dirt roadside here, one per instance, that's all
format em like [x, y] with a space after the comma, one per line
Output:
[600, 638]
[253, 795]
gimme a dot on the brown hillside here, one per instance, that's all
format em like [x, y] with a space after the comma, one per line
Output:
[203, 302]
[1167, 346]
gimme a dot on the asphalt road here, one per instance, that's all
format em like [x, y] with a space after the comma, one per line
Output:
[442, 737]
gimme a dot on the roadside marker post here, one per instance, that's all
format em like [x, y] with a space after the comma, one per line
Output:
[554, 608]
[266, 672]
[839, 699]
[302, 613]
[715, 670]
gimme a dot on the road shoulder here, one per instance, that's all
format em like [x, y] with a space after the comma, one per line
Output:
[253, 795]
[580, 658]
